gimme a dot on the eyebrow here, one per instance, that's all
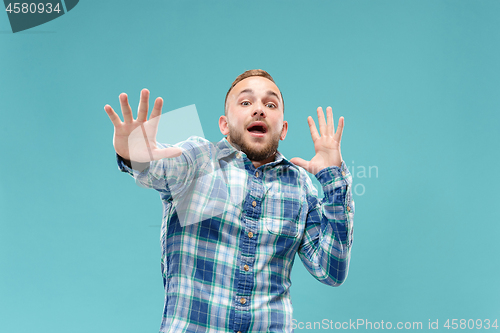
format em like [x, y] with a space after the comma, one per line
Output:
[250, 91]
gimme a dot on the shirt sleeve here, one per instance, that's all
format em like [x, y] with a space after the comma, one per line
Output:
[326, 244]
[170, 176]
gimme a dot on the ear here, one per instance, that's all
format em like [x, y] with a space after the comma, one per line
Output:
[284, 130]
[223, 126]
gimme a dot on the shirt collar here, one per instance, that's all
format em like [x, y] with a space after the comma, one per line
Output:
[224, 149]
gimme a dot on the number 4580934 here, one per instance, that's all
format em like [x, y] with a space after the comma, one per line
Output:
[32, 8]
[471, 324]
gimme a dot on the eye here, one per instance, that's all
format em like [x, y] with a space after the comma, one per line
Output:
[271, 105]
[245, 103]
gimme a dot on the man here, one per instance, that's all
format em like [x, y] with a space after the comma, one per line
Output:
[236, 212]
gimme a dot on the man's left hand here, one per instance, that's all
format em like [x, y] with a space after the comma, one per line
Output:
[326, 143]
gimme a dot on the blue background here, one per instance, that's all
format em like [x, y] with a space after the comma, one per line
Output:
[417, 81]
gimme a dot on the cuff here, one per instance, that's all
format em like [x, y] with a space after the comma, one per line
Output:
[123, 167]
[335, 176]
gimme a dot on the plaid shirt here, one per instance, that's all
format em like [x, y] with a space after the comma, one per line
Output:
[230, 233]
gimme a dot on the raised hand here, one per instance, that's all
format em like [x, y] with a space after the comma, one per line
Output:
[326, 143]
[135, 139]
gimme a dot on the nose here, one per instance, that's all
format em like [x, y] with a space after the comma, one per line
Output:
[259, 111]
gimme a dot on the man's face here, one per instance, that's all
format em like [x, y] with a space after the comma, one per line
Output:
[254, 119]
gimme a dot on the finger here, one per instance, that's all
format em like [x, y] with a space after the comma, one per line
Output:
[156, 108]
[313, 129]
[126, 110]
[115, 119]
[142, 113]
[321, 121]
[340, 129]
[329, 121]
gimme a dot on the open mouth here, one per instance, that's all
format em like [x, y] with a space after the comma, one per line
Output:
[257, 128]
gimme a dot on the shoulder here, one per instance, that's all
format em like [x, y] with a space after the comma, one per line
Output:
[194, 148]
[294, 174]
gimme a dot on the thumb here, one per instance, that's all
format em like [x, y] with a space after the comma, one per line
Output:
[167, 153]
[300, 162]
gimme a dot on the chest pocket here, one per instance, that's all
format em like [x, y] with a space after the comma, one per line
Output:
[280, 213]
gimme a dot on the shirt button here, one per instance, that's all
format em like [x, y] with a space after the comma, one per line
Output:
[348, 208]
[238, 155]
[250, 234]
[243, 300]
[257, 174]
[246, 268]
[238, 332]
[343, 173]
[254, 203]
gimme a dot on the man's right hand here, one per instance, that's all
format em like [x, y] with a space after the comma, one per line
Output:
[135, 139]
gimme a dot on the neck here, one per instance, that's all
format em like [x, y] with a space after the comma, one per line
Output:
[257, 164]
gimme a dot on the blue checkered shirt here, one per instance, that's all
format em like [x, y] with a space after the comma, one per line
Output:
[230, 233]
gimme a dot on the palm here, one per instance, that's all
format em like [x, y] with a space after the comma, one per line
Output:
[326, 143]
[135, 139]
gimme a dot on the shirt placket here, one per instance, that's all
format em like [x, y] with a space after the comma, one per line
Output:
[247, 246]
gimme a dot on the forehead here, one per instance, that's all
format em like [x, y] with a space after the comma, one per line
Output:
[258, 84]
